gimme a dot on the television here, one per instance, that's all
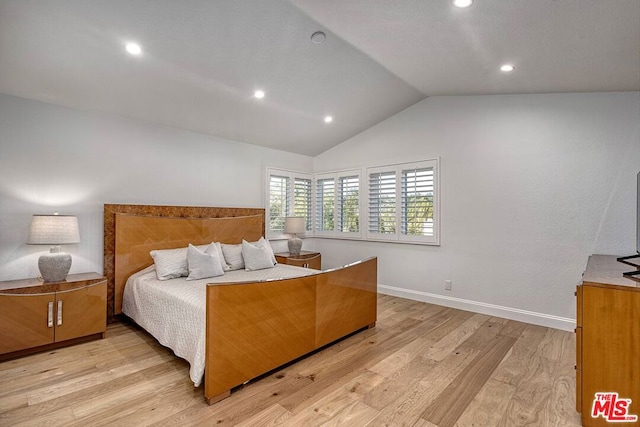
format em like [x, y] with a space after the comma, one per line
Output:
[635, 275]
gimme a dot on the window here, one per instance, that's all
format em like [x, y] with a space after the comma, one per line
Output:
[288, 194]
[349, 204]
[337, 204]
[395, 203]
[403, 202]
[279, 205]
[325, 204]
[417, 202]
[382, 202]
[302, 199]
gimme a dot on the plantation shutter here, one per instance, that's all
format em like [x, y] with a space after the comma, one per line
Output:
[349, 204]
[325, 208]
[302, 200]
[417, 191]
[382, 202]
[404, 202]
[279, 202]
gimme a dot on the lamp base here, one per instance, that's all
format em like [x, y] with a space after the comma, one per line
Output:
[54, 266]
[295, 244]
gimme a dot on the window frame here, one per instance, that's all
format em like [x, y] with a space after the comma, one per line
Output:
[364, 203]
[292, 176]
[382, 236]
[397, 235]
[337, 177]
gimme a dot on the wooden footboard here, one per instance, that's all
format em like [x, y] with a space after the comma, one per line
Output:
[253, 328]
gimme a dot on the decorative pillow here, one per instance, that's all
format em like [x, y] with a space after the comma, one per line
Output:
[203, 264]
[232, 257]
[171, 263]
[256, 257]
[218, 248]
[264, 243]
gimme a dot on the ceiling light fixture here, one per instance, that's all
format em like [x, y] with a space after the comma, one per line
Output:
[462, 3]
[258, 94]
[318, 37]
[328, 119]
[133, 48]
[507, 68]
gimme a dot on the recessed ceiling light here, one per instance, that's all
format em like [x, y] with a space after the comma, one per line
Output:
[507, 67]
[318, 37]
[258, 94]
[133, 48]
[328, 119]
[462, 3]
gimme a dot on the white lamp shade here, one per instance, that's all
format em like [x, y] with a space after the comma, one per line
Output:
[294, 225]
[53, 230]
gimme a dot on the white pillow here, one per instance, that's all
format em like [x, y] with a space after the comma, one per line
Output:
[232, 257]
[218, 248]
[203, 264]
[256, 257]
[264, 243]
[171, 263]
[232, 254]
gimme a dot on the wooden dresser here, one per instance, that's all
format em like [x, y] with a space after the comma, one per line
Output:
[307, 259]
[36, 316]
[607, 338]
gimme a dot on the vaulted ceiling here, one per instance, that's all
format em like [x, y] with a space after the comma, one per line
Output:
[202, 60]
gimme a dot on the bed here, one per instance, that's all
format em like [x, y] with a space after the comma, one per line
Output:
[252, 326]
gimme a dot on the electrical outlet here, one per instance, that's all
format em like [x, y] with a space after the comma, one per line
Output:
[447, 285]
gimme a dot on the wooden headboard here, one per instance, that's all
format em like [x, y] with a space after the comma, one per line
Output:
[131, 231]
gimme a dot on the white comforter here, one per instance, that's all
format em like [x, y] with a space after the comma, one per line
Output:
[174, 312]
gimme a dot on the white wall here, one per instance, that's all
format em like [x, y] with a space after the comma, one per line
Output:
[530, 184]
[58, 159]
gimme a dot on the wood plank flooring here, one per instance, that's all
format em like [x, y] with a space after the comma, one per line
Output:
[422, 365]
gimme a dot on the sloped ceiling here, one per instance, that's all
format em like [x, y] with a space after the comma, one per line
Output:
[202, 59]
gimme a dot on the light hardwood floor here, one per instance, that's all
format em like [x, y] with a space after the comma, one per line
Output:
[422, 365]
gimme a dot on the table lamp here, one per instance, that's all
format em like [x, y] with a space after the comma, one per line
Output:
[294, 225]
[54, 230]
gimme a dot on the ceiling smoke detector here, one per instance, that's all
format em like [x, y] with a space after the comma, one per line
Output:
[318, 37]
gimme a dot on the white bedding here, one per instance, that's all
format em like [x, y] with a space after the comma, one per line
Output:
[174, 312]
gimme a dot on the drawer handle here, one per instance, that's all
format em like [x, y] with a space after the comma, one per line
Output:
[59, 323]
[50, 315]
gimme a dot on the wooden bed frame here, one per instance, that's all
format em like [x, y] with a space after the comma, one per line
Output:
[252, 327]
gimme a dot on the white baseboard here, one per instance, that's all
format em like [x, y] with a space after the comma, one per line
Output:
[550, 321]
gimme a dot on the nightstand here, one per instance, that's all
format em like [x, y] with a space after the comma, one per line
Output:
[307, 259]
[37, 316]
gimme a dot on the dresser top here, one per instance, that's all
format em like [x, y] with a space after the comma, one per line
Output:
[607, 270]
[36, 286]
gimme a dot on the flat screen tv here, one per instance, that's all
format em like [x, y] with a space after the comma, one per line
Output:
[634, 260]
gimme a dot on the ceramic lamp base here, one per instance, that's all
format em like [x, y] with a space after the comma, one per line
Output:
[295, 245]
[54, 266]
